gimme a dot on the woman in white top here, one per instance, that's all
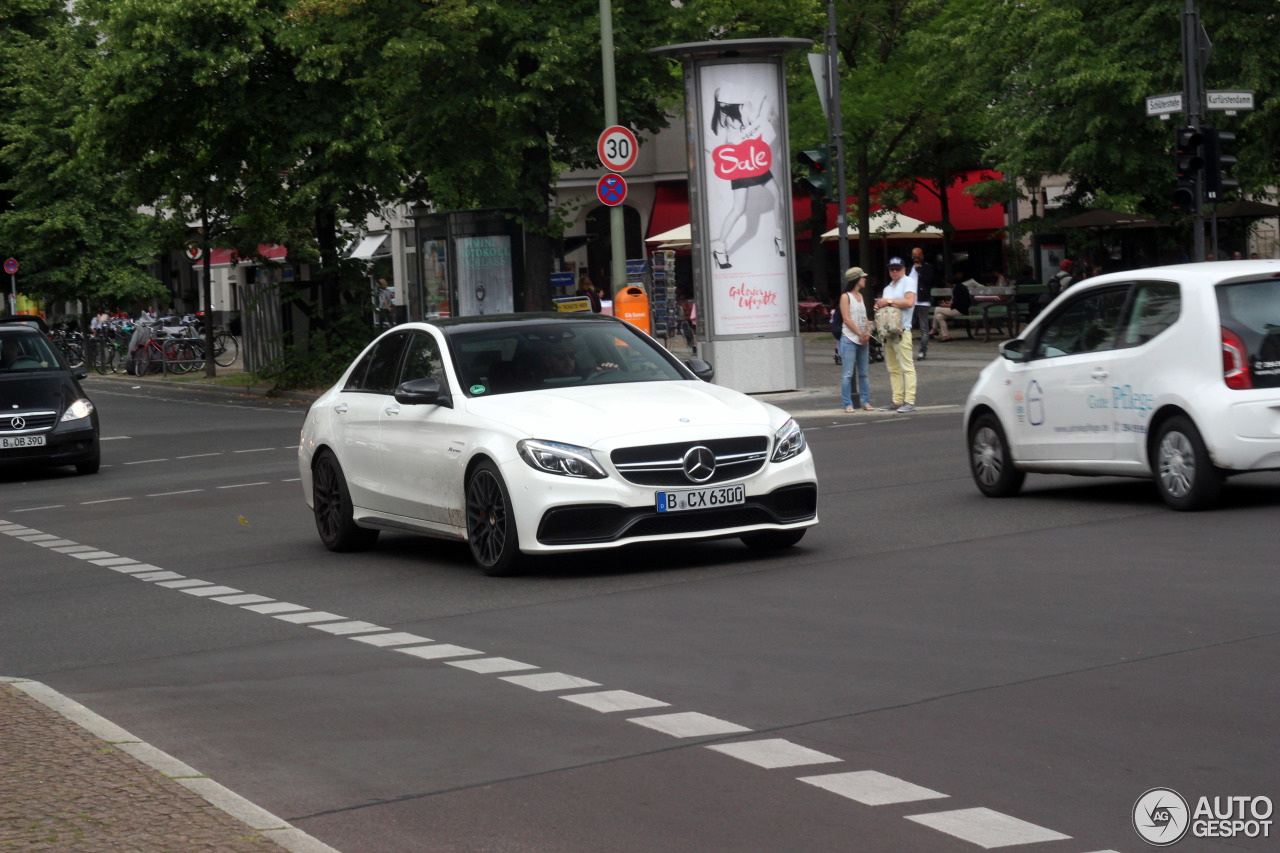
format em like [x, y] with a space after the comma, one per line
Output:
[855, 341]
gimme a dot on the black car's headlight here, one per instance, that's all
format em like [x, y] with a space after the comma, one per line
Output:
[77, 410]
[788, 441]
[567, 460]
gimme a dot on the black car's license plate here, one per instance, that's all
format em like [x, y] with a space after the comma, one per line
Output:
[684, 499]
[10, 442]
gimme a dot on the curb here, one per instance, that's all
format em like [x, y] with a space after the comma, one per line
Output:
[257, 818]
[205, 388]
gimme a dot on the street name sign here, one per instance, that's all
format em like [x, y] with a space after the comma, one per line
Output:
[1163, 105]
[617, 148]
[1229, 100]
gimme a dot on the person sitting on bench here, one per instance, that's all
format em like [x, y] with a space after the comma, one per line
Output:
[955, 306]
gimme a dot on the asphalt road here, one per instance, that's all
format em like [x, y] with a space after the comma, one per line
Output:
[927, 670]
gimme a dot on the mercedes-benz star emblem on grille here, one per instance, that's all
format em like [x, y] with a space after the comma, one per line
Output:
[699, 464]
[18, 423]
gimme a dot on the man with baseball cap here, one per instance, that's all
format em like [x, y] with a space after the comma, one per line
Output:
[900, 293]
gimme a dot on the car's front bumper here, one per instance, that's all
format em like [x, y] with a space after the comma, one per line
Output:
[61, 447]
[562, 514]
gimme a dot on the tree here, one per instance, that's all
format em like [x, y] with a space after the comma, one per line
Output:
[493, 117]
[78, 236]
[226, 115]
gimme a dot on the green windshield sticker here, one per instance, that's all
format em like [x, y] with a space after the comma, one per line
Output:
[477, 389]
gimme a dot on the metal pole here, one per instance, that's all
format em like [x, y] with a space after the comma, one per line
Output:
[13, 293]
[617, 234]
[1191, 87]
[836, 131]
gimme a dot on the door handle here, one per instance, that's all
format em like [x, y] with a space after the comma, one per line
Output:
[341, 408]
[392, 410]
[1100, 373]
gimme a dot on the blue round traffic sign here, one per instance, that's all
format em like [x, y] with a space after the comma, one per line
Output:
[11, 266]
[611, 190]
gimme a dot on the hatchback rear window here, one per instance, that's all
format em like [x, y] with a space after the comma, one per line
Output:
[1252, 311]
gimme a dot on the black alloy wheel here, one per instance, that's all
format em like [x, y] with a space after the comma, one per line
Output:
[990, 461]
[331, 502]
[491, 528]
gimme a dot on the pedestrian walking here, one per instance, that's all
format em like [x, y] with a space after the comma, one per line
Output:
[855, 340]
[900, 295]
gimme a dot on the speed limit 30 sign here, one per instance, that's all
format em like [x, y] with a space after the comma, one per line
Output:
[617, 148]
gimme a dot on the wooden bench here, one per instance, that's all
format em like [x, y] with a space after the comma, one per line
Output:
[984, 313]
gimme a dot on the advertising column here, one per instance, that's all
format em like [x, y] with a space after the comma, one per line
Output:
[740, 210]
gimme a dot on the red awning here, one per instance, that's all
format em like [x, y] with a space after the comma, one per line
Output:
[971, 221]
[670, 207]
[225, 257]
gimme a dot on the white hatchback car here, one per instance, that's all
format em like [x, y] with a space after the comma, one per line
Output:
[538, 433]
[1171, 373]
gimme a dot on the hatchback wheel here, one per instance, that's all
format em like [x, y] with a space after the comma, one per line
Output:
[1186, 477]
[331, 501]
[990, 461]
[491, 528]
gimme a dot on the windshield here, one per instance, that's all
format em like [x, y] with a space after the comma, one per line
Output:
[23, 351]
[536, 356]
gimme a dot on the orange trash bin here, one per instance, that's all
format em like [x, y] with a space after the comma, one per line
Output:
[632, 304]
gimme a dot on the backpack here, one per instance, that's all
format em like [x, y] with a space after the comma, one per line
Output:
[836, 323]
[1060, 281]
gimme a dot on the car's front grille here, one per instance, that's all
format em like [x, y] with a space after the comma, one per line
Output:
[663, 464]
[575, 525]
[22, 423]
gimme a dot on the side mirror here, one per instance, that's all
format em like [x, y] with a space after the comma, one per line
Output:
[701, 369]
[1013, 350]
[423, 392]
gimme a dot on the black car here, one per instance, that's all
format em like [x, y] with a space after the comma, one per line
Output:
[45, 417]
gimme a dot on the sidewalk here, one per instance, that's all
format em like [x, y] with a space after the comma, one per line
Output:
[72, 781]
[943, 378]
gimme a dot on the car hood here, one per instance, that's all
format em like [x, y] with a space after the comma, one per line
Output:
[53, 391]
[606, 415]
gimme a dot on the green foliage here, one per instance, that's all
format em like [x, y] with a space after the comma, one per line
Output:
[77, 236]
[327, 353]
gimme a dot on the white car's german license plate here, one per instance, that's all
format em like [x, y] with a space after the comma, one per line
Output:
[10, 442]
[702, 498]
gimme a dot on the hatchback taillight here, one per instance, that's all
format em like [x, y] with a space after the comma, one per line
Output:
[1235, 364]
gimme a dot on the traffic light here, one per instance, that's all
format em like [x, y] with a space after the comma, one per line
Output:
[818, 161]
[1217, 161]
[1188, 160]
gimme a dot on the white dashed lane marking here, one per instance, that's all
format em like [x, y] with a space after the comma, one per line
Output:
[104, 501]
[490, 665]
[275, 607]
[171, 494]
[398, 638]
[242, 485]
[438, 652]
[871, 788]
[774, 753]
[981, 826]
[689, 724]
[211, 590]
[986, 828]
[37, 508]
[608, 701]
[545, 682]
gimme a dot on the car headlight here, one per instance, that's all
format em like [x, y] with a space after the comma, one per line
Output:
[77, 410]
[788, 441]
[567, 460]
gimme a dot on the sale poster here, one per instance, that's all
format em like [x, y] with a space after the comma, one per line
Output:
[746, 177]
